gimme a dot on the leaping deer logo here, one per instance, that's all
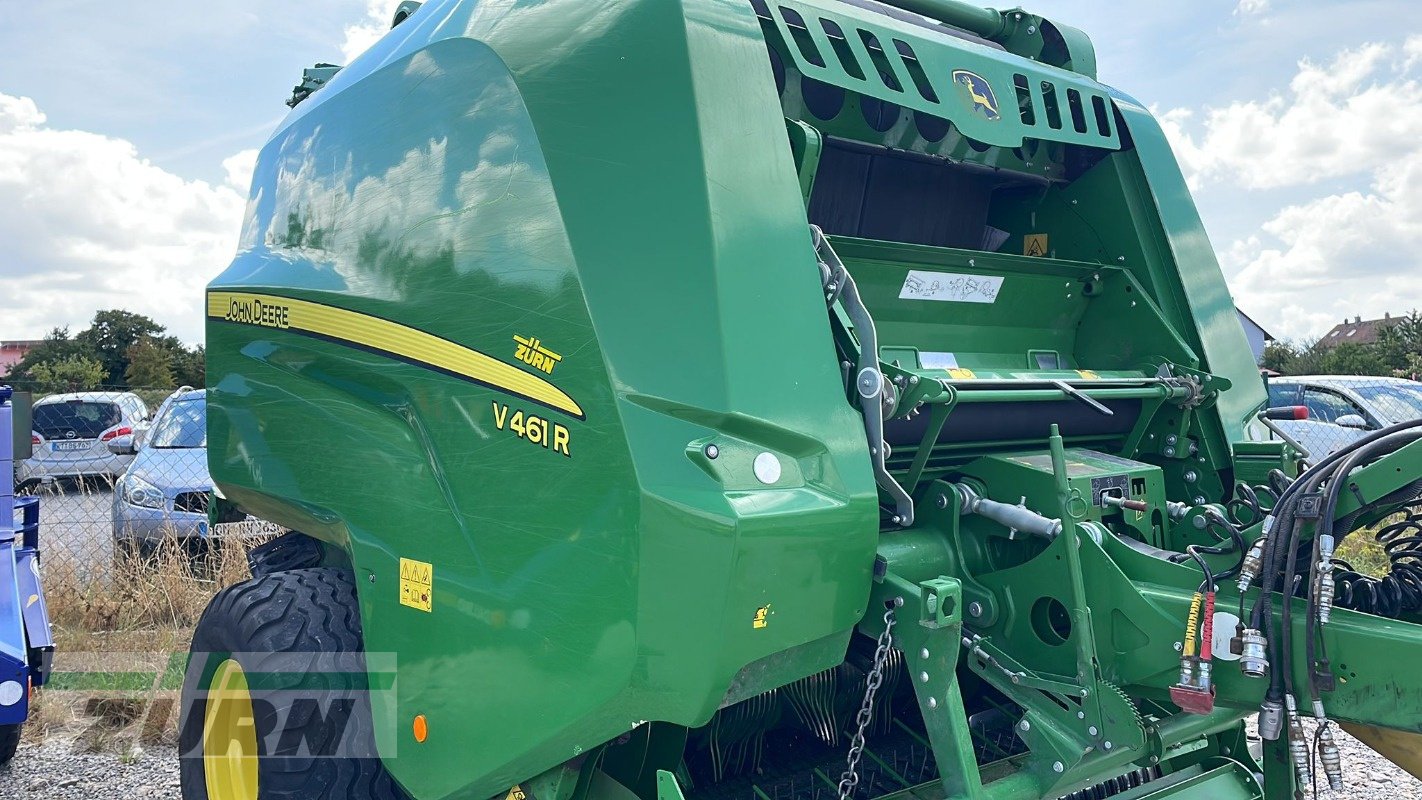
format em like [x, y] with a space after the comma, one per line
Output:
[978, 92]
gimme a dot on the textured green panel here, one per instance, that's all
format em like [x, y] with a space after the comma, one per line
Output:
[451, 180]
[941, 65]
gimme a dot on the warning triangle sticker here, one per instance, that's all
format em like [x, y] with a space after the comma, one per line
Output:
[1035, 244]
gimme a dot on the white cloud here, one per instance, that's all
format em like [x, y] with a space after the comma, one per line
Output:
[1337, 256]
[90, 225]
[1351, 122]
[239, 167]
[1347, 117]
[1412, 48]
[1248, 8]
[361, 35]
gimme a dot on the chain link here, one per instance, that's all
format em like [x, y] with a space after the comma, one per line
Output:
[850, 780]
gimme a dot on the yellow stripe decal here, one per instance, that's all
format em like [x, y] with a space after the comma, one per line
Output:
[387, 338]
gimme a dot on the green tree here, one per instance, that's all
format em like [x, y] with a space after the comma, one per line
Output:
[69, 374]
[1278, 356]
[149, 365]
[189, 367]
[110, 336]
[56, 346]
[1401, 342]
[1353, 359]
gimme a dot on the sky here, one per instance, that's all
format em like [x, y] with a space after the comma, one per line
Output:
[127, 142]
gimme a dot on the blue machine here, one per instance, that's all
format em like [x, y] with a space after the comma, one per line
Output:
[26, 642]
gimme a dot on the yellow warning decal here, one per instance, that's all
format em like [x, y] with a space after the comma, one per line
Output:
[1034, 244]
[762, 617]
[368, 332]
[416, 584]
[962, 374]
[1087, 374]
[516, 793]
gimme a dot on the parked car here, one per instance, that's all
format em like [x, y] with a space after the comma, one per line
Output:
[165, 490]
[1343, 409]
[71, 433]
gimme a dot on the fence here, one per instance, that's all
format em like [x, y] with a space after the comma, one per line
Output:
[1340, 410]
[123, 481]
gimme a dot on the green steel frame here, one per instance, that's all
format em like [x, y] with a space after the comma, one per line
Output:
[548, 275]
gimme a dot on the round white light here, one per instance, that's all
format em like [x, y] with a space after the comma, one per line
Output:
[767, 468]
[11, 693]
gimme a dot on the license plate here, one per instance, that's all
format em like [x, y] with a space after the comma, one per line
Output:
[68, 446]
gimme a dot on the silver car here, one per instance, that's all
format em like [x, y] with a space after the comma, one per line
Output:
[71, 433]
[164, 493]
[1343, 408]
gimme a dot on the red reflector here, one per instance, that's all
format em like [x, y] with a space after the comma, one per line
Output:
[116, 432]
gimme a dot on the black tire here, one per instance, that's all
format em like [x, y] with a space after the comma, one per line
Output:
[9, 742]
[287, 623]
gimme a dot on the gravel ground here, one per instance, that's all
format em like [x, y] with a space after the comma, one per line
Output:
[1369, 776]
[52, 771]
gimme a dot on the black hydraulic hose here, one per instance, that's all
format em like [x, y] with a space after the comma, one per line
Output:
[1272, 553]
[1286, 638]
[1340, 476]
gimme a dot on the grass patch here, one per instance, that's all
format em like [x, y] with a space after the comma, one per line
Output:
[116, 630]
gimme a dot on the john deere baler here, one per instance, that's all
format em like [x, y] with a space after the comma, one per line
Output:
[765, 400]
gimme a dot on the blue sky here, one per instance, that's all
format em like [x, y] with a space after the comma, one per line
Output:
[126, 141]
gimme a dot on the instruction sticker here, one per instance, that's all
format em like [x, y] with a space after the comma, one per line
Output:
[950, 287]
[416, 584]
[1034, 244]
[931, 360]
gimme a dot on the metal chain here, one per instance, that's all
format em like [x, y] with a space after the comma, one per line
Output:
[849, 781]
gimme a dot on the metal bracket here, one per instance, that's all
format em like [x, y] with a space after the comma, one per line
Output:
[877, 397]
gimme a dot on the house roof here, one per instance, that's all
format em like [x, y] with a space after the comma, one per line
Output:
[1358, 331]
[1268, 337]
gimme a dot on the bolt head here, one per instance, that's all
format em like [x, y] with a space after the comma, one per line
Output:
[1024, 725]
[712, 451]
[923, 677]
[1107, 745]
[933, 702]
[942, 501]
[1081, 715]
[1091, 731]
[975, 609]
[923, 653]
[1179, 646]
[372, 577]
[1058, 766]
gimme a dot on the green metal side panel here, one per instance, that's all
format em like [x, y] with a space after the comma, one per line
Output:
[600, 182]
[1207, 301]
[970, 84]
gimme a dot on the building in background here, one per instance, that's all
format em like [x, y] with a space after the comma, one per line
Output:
[13, 350]
[1257, 336]
[1359, 331]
